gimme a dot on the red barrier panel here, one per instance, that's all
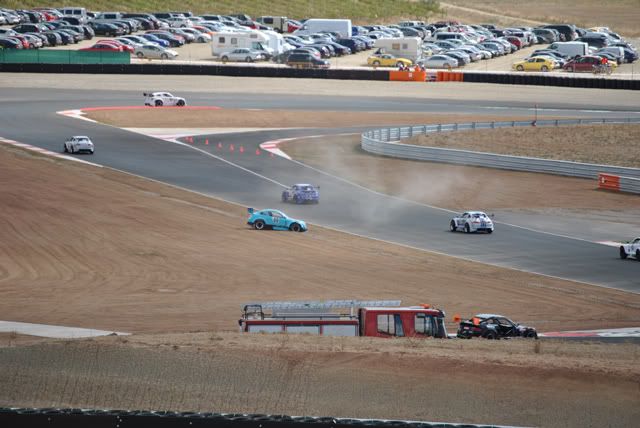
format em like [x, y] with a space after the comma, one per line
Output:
[609, 182]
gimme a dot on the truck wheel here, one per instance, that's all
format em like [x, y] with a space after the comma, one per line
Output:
[295, 227]
[452, 226]
[258, 225]
[623, 253]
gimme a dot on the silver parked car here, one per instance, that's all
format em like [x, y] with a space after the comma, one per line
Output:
[440, 61]
[78, 144]
[155, 52]
[241, 54]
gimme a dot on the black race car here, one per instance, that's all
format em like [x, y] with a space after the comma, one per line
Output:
[492, 326]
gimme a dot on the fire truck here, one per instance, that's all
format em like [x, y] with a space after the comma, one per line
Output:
[377, 318]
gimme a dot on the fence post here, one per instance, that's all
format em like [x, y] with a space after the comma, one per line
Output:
[556, 122]
[424, 129]
[410, 131]
[439, 127]
[455, 126]
[399, 134]
[513, 123]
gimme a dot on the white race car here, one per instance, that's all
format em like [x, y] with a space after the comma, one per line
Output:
[630, 249]
[78, 144]
[160, 99]
[472, 221]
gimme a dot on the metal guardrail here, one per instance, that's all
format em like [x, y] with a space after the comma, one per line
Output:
[629, 185]
[65, 418]
[385, 142]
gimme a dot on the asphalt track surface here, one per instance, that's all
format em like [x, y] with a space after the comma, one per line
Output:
[29, 116]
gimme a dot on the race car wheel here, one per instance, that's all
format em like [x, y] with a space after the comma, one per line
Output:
[65, 149]
[489, 230]
[638, 255]
[180, 103]
[623, 253]
[296, 199]
[258, 225]
[452, 226]
[531, 334]
[491, 335]
[467, 229]
[158, 103]
[295, 227]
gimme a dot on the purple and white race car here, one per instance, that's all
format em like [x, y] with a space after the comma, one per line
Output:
[301, 194]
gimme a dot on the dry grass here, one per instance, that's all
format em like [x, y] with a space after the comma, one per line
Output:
[463, 381]
[619, 15]
[599, 144]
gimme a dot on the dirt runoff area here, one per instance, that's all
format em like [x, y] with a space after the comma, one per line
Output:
[522, 383]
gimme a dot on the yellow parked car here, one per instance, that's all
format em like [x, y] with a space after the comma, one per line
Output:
[536, 63]
[388, 60]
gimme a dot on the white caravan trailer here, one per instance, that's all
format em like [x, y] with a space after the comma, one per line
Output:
[401, 47]
[312, 26]
[227, 41]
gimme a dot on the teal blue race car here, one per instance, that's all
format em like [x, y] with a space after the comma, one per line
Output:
[274, 219]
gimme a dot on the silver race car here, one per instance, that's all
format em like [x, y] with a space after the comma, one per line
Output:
[79, 144]
[159, 99]
[471, 221]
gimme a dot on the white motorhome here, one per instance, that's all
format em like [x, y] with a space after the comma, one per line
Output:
[312, 26]
[276, 42]
[227, 41]
[77, 12]
[401, 47]
[278, 23]
[572, 49]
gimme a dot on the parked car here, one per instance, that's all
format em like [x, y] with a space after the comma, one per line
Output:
[471, 221]
[583, 64]
[109, 30]
[536, 63]
[154, 52]
[159, 99]
[154, 39]
[79, 144]
[241, 54]
[630, 249]
[306, 60]
[199, 36]
[440, 61]
[275, 220]
[388, 60]
[491, 326]
[103, 47]
[301, 193]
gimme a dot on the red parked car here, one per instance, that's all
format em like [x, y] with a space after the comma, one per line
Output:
[125, 48]
[517, 41]
[103, 47]
[583, 63]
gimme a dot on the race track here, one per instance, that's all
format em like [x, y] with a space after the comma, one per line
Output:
[29, 116]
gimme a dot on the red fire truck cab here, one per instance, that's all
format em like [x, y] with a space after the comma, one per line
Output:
[331, 318]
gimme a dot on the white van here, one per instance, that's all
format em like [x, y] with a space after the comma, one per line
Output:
[312, 26]
[401, 47]
[227, 41]
[77, 12]
[445, 35]
[572, 49]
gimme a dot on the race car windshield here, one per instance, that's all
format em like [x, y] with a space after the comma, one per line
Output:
[479, 216]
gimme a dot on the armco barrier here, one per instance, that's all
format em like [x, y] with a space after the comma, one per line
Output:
[82, 418]
[385, 142]
[618, 183]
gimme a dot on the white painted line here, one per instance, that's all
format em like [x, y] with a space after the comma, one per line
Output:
[54, 331]
[75, 114]
[610, 243]
[609, 332]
